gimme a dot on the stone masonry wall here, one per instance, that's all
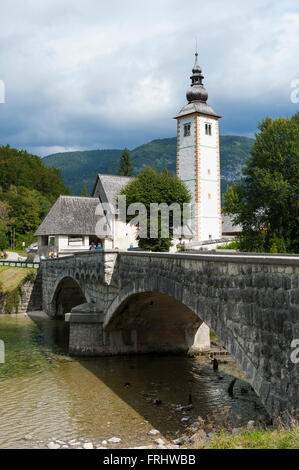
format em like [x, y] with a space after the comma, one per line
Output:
[28, 299]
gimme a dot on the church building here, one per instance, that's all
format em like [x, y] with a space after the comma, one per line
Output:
[198, 158]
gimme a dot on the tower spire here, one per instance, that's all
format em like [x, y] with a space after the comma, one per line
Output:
[197, 92]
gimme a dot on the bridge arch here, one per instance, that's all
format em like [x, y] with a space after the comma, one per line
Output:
[152, 321]
[213, 313]
[68, 293]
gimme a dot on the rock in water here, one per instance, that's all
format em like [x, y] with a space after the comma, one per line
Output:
[159, 442]
[88, 445]
[114, 440]
[28, 437]
[184, 420]
[230, 389]
[154, 432]
[52, 445]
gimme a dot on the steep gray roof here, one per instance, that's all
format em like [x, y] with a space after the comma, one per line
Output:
[71, 215]
[228, 225]
[108, 187]
[197, 107]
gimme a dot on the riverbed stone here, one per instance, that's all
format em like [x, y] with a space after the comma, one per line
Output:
[88, 445]
[75, 444]
[154, 432]
[53, 445]
[180, 440]
[28, 437]
[198, 436]
[185, 419]
[159, 442]
[114, 440]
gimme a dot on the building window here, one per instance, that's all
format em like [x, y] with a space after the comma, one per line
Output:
[187, 129]
[208, 129]
[209, 196]
[75, 240]
[209, 172]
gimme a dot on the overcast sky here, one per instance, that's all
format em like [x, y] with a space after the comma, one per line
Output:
[109, 74]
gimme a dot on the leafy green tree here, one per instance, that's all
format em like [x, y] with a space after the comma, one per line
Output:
[85, 192]
[152, 187]
[28, 188]
[19, 168]
[125, 165]
[266, 201]
[4, 223]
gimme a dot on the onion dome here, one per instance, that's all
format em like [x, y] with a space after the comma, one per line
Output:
[197, 91]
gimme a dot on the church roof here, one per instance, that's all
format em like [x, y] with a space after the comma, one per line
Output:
[108, 187]
[74, 215]
[71, 215]
[197, 107]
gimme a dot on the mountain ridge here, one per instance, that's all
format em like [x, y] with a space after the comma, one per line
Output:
[159, 153]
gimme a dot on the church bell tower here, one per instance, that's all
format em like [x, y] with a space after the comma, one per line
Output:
[198, 158]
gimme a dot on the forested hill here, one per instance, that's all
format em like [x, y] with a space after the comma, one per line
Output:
[28, 188]
[80, 168]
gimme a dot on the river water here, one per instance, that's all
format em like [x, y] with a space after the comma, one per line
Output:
[47, 394]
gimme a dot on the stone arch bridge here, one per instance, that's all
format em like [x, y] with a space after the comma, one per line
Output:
[136, 302]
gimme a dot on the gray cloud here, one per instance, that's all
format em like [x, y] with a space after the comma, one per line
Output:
[105, 75]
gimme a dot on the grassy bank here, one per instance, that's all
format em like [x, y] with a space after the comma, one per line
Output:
[280, 437]
[12, 281]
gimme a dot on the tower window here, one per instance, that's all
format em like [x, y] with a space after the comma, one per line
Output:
[208, 129]
[187, 129]
[209, 196]
[209, 172]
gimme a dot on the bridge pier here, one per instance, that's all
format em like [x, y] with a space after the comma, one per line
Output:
[86, 331]
[202, 340]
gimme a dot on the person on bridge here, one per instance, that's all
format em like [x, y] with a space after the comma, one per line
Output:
[92, 246]
[99, 246]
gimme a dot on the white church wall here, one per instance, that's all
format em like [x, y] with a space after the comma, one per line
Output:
[209, 180]
[124, 236]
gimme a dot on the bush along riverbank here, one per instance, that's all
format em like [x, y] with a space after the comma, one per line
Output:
[17, 289]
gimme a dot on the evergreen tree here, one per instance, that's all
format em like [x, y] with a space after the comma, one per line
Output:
[125, 165]
[266, 201]
[85, 192]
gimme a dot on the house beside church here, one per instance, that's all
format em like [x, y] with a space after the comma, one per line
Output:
[73, 222]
